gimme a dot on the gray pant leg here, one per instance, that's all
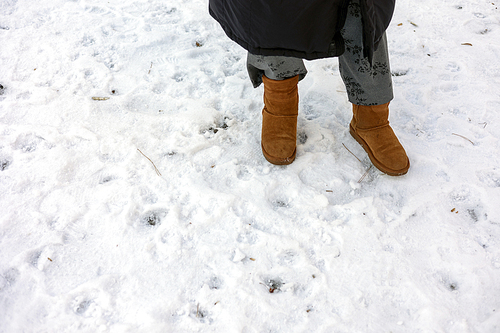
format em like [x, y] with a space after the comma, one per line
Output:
[365, 84]
[274, 68]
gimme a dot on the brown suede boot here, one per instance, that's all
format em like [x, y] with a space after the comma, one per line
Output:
[279, 120]
[370, 127]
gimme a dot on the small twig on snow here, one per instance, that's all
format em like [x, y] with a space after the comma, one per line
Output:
[463, 137]
[156, 169]
[150, 67]
[366, 173]
[352, 153]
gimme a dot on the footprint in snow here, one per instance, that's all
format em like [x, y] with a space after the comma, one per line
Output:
[153, 217]
[274, 285]
[5, 163]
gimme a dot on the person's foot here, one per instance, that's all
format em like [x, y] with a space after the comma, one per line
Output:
[279, 120]
[370, 127]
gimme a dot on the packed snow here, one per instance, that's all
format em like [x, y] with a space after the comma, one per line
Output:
[134, 196]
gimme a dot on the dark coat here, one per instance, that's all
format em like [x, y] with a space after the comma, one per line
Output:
[308, 29]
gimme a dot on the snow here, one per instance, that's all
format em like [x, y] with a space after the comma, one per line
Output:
[92, 239]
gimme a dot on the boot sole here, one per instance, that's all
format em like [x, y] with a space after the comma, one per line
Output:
[375, 162]
[278, 161]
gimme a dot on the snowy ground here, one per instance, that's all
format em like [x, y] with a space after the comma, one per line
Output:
[93, 239]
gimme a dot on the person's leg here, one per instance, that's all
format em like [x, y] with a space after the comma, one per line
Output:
[280, 76]
[274, 68]
[369, 89]
[365, 84]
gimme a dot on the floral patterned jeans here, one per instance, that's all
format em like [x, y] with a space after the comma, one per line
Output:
[365, 84]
